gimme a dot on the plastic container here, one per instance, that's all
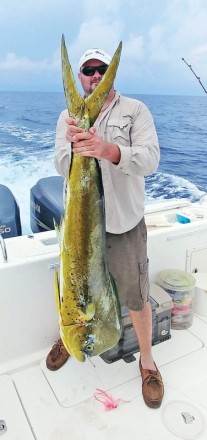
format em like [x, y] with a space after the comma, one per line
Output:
[200, 298]
[180, 285]
[181, 218]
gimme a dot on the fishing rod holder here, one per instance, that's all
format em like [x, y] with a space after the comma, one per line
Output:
[3, 248]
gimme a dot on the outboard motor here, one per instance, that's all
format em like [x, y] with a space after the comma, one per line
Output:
[46, 203]
[10, 223]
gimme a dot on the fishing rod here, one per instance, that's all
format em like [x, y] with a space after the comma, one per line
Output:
[197, 77]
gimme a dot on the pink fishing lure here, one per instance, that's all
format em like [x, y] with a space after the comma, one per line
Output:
[106, 399]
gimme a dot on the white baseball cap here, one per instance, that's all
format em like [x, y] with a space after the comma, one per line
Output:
[95, 54]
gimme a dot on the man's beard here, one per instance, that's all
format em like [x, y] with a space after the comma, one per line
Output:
[91, 89]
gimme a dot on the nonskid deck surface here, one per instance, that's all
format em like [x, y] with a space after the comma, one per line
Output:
[36, 403]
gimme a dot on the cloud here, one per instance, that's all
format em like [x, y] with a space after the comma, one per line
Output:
[155, 36]
[134, 48]
[200, 50]
[13, 62]
[106, 10]
[97, 33]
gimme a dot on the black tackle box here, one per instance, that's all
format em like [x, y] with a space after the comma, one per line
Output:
[162, 304]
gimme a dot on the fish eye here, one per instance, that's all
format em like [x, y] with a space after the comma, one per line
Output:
[89, 345]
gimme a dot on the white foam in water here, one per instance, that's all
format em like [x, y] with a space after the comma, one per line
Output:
[27, 129]
[28, 134]
[21, 176]
[163, 186]
[27, 156]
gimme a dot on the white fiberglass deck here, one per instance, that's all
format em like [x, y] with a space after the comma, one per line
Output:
[36, 403]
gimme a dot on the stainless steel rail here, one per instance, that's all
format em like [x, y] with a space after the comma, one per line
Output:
[3, 248]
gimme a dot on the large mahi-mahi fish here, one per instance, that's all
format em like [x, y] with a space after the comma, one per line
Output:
[86, 297]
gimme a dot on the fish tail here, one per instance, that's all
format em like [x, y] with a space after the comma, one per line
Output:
[75, 102]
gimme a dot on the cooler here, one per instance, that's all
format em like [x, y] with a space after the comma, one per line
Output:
[161, 304]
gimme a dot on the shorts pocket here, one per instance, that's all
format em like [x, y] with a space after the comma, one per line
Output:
[144, 279]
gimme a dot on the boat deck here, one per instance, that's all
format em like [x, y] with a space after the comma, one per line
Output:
[36, 403]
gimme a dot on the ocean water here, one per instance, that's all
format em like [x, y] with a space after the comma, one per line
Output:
[27, 137]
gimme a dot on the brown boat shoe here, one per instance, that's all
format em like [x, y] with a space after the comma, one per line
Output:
[152, 387]
[57, 356]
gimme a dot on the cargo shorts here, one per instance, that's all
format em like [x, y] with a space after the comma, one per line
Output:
[129, 265]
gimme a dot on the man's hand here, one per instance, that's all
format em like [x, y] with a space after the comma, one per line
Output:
[88, 143]
[72, 129]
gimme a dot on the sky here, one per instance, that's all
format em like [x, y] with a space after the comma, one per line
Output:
[156, 35]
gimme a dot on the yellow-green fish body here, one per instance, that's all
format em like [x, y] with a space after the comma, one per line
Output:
[86, 297]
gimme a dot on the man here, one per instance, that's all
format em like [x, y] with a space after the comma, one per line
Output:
[124, 140]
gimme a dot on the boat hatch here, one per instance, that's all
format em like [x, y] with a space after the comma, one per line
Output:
[13, 423]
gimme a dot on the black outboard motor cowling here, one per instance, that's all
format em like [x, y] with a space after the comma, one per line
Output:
[10, 223]
[46, 203]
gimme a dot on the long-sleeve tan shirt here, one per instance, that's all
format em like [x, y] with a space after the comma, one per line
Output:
[129, 124]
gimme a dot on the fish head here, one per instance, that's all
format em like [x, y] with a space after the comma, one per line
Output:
[73, 338]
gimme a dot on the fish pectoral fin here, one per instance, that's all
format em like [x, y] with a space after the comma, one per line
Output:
[57, 292]
[58, 229]
[88, 312]
[96, 99]
[107, 337]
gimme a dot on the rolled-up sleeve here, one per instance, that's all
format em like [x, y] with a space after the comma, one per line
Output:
[62, 146]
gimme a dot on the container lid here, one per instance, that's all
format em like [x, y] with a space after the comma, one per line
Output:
[175, 279]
